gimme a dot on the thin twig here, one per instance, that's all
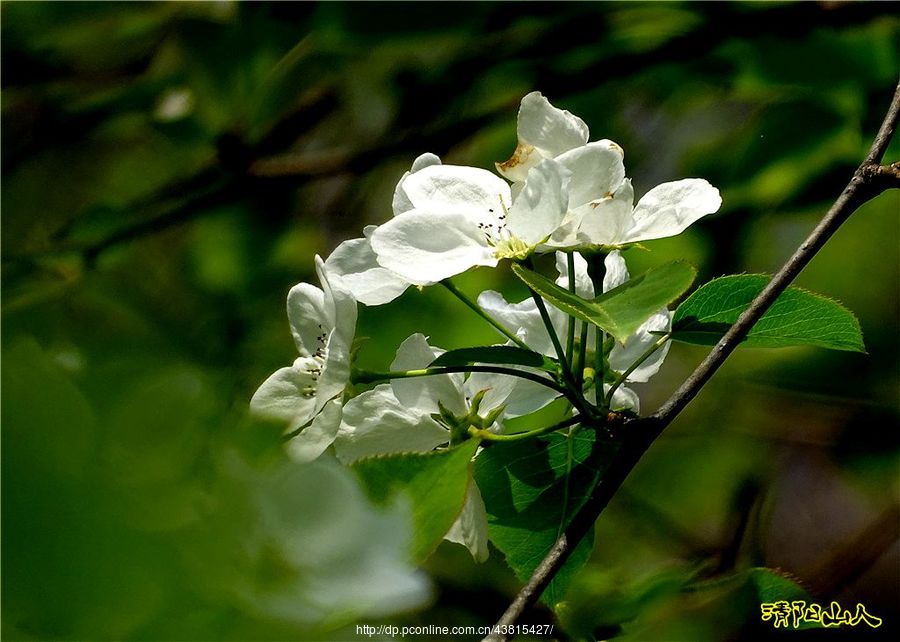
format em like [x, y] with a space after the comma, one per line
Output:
[582, 353]
[472, 305]
[575, 395]
[487, 435]
[638, 435]
[366, 376]
[570, 327]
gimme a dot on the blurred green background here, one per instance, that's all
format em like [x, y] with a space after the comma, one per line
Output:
[170, 169]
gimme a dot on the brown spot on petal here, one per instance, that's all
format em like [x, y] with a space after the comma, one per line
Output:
[523, 151]
[596, 204]
[617, 147]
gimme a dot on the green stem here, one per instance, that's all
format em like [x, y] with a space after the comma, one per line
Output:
[582, 353]
[659, 343]
[599, 368]
[570, 331]
[557, 346]
[598, 271]
[366, 376]
[484, 315]
[574, 395]
[487, 435]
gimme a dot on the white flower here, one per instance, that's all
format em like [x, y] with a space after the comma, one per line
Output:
[596, 168]
[307, 394]
[337, 556]
[601, 209]
[461, 217]
[353, 263]
[399, 417]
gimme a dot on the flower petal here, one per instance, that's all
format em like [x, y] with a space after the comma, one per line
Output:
[336, 552]
[543, 131]
[623, 355]
[283, 395]
[584, 287]
[607, 221]
[548, 128]
[424, 393]
[401, 202]
[597, 171]
[668, 209]
[541, 205]
[336, 370]
[523, 319]
[354, 265]
[472, 191]
[497, 388]
[623, 399]
[565, 236]
[519, 396]
[616, 271]
[425, 160]
[377, 423]
[470, 528]
[424, 247]
[309, 317]
[319, 435]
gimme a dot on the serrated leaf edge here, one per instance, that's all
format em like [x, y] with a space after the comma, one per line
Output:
[798, 288]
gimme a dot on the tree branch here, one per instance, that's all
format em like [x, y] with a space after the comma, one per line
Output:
[865, 185]
[870, 179]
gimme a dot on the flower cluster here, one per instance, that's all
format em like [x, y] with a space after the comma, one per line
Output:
[558, 193]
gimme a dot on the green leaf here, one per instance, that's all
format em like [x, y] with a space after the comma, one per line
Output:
[608, 597]
[494, 354]
[435, 483]
[752, 587]
[773, 585]
[531, 491]
[622, 310]
[797, 317]
[664, 602]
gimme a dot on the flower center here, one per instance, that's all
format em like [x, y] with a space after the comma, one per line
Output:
[497, 235]
[512, 248]
[313, 365]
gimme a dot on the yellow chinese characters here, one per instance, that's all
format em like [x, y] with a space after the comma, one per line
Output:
[795, 614]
